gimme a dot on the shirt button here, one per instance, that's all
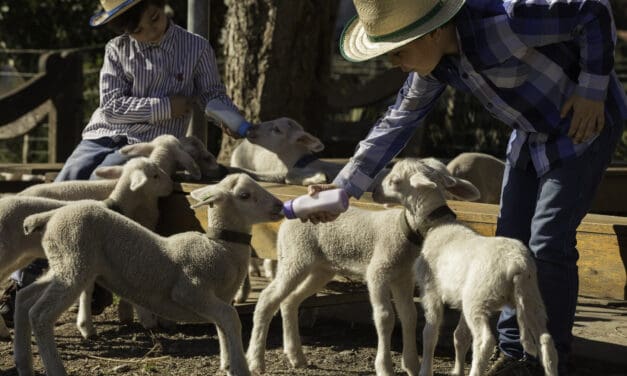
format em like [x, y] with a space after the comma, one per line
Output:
[464, 75]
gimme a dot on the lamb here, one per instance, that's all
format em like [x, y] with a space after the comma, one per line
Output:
[375, 245]
[483, 170]
[467, 271]
[284, 150]
[188, 277]
[141, 182]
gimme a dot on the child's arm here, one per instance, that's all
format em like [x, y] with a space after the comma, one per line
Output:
[590, 24]
[116, 102]
[391, 133]
[207, 82]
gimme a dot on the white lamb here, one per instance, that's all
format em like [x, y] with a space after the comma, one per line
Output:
[470, 272]
[284, 150]
[482, 170]
[374, 245]
[189, 277]
[141, 182]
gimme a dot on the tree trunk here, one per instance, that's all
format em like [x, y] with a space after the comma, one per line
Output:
[278, 60]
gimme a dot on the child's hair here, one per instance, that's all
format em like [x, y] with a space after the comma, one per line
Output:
[129, 20]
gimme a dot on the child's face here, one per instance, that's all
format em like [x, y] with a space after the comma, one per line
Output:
[152, 25]
[421, 55]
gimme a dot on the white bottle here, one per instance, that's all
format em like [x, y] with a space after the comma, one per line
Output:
[224, 114]
[332, 200]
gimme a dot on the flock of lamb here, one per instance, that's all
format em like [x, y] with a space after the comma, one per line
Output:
[101, 232]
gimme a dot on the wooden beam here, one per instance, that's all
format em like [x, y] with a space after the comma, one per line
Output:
[601, 239]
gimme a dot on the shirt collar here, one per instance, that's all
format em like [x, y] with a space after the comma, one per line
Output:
[166, 43]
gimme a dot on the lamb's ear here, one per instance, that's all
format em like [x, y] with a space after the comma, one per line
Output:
[142, 149]
[421, 181]
[188, 164]
[309, 141]
[109, 172]
[462, 189]
[138, 179]
[206, 196]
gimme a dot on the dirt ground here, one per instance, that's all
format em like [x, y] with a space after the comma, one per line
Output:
[332, 347]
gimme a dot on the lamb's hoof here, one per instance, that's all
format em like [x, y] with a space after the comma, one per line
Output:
[297, 360]
[258, 367]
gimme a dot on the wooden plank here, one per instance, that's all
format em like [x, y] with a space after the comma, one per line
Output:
[602, 239]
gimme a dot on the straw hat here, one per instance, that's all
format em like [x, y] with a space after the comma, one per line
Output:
[111, 9]
[384, 25]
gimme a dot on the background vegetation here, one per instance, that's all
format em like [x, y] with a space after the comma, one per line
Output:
[458, 123]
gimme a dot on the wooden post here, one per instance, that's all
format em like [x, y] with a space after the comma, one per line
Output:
[198, 23]
[68, 103]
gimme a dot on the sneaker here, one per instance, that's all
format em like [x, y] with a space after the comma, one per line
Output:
[100, 299]
[508, 366]
[7, 303]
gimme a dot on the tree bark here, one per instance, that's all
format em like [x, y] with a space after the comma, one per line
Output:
[278, 60]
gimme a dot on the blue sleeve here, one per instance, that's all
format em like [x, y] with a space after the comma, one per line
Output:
[390, 134]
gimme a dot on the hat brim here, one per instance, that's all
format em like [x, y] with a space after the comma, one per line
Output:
[356, 46]
[106, 16]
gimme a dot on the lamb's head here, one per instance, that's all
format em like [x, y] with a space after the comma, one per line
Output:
[203, 157]
[167, 151]
[414, 182]
[139, 174]
[239, 196]
[284, 134]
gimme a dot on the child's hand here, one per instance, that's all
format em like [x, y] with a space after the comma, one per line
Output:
[180, 105]
[588, 118]
[316, 218]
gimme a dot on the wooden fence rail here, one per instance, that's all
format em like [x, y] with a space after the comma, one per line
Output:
[55, 93]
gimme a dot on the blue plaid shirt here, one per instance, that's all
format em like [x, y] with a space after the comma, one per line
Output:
[522, 59]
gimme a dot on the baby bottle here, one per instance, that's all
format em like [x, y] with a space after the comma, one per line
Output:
[332, 200]
[226, 115]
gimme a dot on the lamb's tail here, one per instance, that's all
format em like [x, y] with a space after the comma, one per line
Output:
[37, 222]
[531, 315]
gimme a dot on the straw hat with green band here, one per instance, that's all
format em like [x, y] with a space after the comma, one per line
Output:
[111, 9]
[384, 25]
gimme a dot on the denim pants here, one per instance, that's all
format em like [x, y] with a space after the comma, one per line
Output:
[88, 155]
[544, 213]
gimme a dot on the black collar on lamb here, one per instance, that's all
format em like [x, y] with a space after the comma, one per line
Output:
[305, 160]
[229, 236]
[415, 236]
[111, 204]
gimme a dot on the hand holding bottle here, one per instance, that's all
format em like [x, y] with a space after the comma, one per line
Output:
[318, 206]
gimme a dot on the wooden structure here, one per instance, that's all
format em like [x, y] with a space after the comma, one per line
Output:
[602, 239]
[55, 93]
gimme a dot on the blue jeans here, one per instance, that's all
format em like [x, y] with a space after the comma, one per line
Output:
[544, 213]
[86, 157]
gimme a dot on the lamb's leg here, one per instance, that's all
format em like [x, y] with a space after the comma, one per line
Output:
[9, 263]
[483, 341]
[462, 339]
[292, 346]
[403, 294]
[433, 310]
[224, 315]
[125, 312]
[25, 299]
[383, 312]
[84, 321]
[55, 300]
[286, 280]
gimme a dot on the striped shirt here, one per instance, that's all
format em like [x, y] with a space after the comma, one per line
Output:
[137, 78]
[522, 59]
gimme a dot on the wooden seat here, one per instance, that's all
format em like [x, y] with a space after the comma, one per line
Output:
[601, 239]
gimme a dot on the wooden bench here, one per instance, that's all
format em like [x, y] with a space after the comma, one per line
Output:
[602, 239]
